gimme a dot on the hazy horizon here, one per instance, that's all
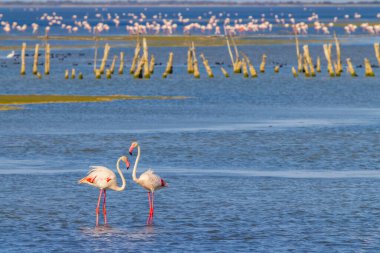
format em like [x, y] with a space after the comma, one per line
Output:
[180, 1]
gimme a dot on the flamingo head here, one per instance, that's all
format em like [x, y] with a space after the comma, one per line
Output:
[125, 159]
[132, 147]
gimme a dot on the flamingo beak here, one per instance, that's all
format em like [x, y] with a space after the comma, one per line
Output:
[131, 150]
[128, 164]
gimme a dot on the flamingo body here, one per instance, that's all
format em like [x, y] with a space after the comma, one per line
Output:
[150, 181]
[100, 177]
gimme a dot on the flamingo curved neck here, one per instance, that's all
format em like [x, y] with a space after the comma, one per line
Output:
[135, 166]
[124, 184]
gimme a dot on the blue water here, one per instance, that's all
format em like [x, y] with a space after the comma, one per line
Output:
[273, 164]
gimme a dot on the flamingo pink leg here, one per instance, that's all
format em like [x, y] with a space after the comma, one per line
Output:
[150, 210]
[97, 207]
[152, 206]
[104, 208]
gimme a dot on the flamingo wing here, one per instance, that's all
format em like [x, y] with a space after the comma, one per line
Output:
[100, 177]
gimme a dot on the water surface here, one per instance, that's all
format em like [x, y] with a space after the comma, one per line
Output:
[273, 164]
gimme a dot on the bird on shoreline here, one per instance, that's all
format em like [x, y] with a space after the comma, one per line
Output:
[11, 55]
[148, 180]
[104, 178]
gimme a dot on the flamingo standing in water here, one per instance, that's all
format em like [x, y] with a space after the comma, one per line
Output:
[104, 178]
[148, 180]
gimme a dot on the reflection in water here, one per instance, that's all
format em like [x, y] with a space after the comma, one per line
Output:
[111, 237]
[101, 230]
[107, 231]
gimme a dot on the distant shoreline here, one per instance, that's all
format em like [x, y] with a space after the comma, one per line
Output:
[22, 4]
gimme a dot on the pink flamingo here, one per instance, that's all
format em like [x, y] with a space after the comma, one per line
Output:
[148, 180]
[104, 178]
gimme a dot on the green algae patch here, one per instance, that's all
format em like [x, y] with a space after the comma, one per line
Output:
[9, 108]
[44, 99]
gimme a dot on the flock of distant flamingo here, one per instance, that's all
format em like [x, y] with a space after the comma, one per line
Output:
[209, 23]
[104, 178]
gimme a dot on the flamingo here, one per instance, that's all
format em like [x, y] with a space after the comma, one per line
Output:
[104, 178]
[148, 180]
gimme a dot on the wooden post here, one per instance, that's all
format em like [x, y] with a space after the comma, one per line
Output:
[35, 59]
[138, 71]
[225, 73]
[350, 68]
[377, 52]
[237, 66]
[96, 53]
[306, 67]
[294, 71]
[66, 74]
[318, 64]
[135, 58]
[169, 66]
[23, 48]
[146, 68]
[151, 64]
[230, 52]
[262, 65]
[207, 66]
[308, 59]
[298, 54]
[105, 56]
[196, 67]
[80, 75]
[47, 59]
[252, 69]
[338, 68]
[190, 65]
[98, 75]
[245, 69]
[112, 68]
[72, 73]
[108, 74]
[300, 63]
[327, 52]
[121, 66]
[368, 69]
[235, 47]
[145, 59]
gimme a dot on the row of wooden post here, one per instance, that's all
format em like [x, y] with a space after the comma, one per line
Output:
[334, 67]
[141, 67]
[35, 60]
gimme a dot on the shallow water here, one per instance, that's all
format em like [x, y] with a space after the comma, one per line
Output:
[273, 164]
[194, 14]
